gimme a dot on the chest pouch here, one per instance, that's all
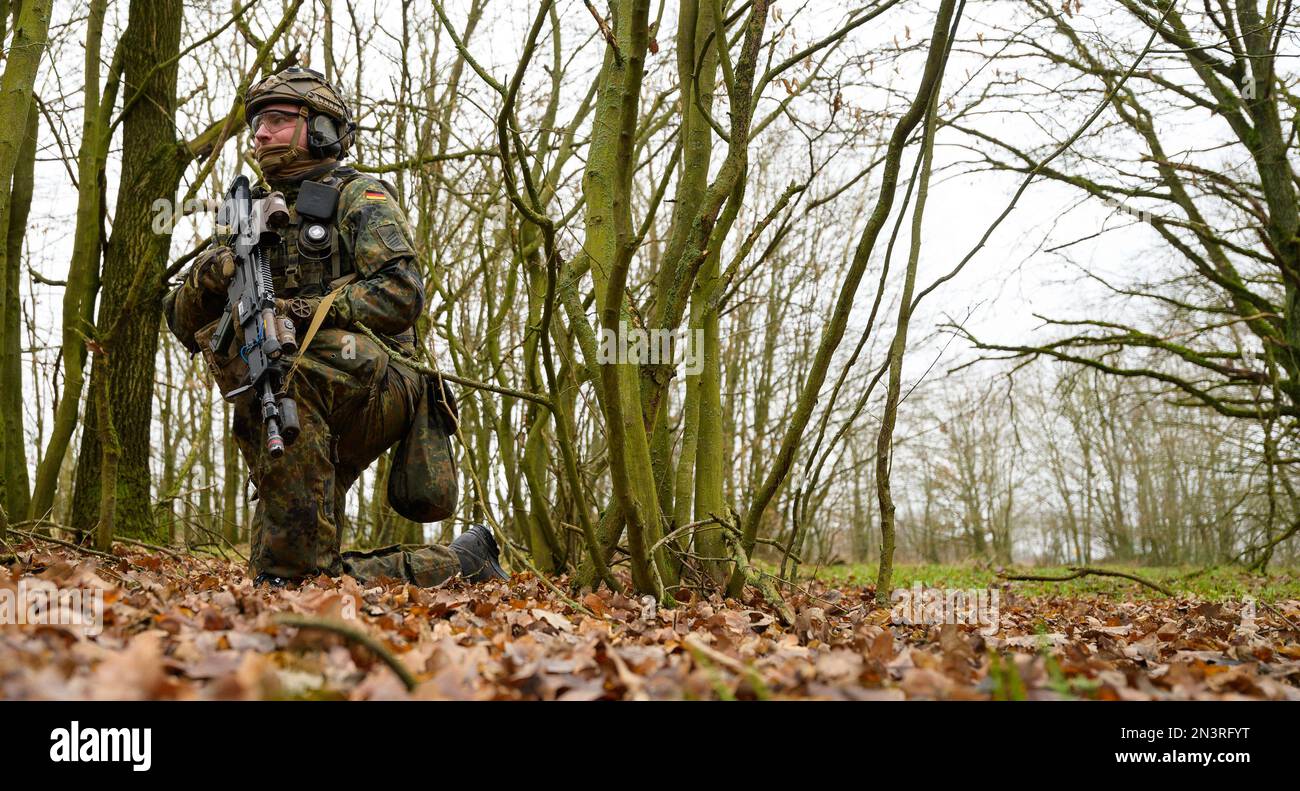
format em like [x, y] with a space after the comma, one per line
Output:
[317, 242]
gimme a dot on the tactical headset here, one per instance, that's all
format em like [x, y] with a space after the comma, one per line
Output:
[323, 136]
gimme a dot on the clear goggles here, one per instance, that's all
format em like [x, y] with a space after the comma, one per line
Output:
[273, 120]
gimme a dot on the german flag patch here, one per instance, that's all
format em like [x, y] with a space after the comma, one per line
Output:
[376, 195]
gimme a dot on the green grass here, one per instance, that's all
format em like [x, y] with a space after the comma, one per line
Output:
[1225, 582]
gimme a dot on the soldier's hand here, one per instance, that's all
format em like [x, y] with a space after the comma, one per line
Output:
[214, 269]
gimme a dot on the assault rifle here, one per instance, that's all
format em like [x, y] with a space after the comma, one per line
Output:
[268, 341]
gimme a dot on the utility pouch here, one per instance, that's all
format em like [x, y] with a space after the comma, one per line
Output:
[316, 201]
[225, 366]
[423, 484]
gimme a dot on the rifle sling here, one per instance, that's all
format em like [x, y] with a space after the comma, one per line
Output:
[317, 319]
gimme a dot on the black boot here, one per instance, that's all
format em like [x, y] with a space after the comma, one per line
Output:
[477, 550]
[273, 581]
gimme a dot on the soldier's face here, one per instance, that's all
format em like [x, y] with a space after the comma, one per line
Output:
[277, 126]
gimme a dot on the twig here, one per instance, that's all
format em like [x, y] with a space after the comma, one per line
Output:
[416, 365]
[354, 634]
[720, 687]
[755, 577]
[68, 544]
[39, 278]
[1197, 573]
[702, 523]
[698, 649]
[1281, 615]
[147, 545]
[606, 32]
[864, 604]
[211, 532]
[119, 539]
[1084, 571]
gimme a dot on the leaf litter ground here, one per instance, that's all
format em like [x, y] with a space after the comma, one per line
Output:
[193, 627]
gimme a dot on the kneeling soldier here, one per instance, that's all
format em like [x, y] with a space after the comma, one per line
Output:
[347, 261]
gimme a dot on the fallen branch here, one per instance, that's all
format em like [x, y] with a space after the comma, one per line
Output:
[354, 634]
[224, 540]
[1281, 615]
[1194, 574]
[146, 545]
[68, 544]
[116, 539]
[1084, 571]
[755, 577]
[699, 650]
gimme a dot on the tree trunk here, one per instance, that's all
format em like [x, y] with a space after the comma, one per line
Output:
[83, 270]
[834, 330]
[885, 438]
[152, 164]
[13, 466]
[607, 187]
[231, 480]
[17, 122]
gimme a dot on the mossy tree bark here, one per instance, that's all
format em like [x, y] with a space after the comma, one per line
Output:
[153, 161]
[27, 45]
[83, 269]
[127, 324]
[607, 188]
[13, 466]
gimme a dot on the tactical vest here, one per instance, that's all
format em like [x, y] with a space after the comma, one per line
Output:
[310, 260]
[310, 257]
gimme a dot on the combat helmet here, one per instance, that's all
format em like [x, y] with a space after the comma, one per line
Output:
[330, 129]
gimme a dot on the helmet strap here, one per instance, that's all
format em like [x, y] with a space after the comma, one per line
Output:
[288, 161]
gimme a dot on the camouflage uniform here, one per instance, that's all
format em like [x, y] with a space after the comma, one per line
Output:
[354, 400]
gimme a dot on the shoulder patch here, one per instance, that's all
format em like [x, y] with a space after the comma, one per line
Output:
[375, 195]
[391, 235]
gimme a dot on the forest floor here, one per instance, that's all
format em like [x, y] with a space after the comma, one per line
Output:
[1216, 583]
[178, 626]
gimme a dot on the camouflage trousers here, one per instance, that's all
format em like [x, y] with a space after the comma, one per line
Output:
[354, 403]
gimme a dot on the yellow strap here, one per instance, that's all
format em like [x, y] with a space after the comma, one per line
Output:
[317, 319]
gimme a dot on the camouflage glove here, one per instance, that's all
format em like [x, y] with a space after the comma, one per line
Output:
[214, 269]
